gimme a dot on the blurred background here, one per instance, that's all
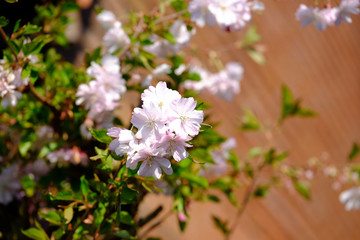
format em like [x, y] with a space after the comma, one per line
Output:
[320, 67]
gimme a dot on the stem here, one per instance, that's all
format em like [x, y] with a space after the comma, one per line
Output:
[43, 99]
[152, 227]
[138, 30]
[3, 35]
[171, 16]
[245, 201]
[149, 217]
[79, 223]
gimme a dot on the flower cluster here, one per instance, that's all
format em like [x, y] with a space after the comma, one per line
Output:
[65, 156]
[163, 48]
[165, 124]
[10, 80]
[115, 37]
[230, 15]
[223, 84]
[327, 16]
[102, 94]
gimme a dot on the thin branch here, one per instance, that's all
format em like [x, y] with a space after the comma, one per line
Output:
[138, 30]
[79, 223]
[171, 16]
[43, 99]
[152, 227]
[245, 201]
[149, 217]
[3, 35]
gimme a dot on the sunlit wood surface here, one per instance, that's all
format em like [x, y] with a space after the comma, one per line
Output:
[323, 69]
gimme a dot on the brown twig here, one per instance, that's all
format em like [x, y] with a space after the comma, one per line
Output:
[171, 16]
[43, 99]
[161, 220]
[245, 201]
[138, 30]
[3, 35]
[79, 223]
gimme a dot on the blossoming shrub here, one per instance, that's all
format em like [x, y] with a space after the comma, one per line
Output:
[71, 169]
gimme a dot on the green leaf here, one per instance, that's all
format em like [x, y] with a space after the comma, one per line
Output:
[249, 121]
[126, 218]
[68, 214]
[221, 225]
[17, 25]
[30, 29]
[251, 37]
[212, 198]
[200, 181]
[101, 135]
[11, 1]
[94, 57]
[255, 152]
[256, 56]
[168, 36]
[182, 225]
[202, 155]
[29, 185]
[261, 191]
[51, 217]
[99, 214]
[35, 45]
[123, 234]
[59, 233]
[303, 188]
[69, 7]
[24, 147]
[34, 233]
[272, 158]
[64, 195]
[193, 76]
[234, 161]
[292, 107]
[3, 21]
[178, 5]
[84, 186]
[354, 151]
[128, 195]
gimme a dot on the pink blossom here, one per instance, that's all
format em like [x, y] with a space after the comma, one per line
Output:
[320, 18]
[224, 84]
[351, 198]
[184, 119]
[152, 163]
[345, 8]
[148, 120]
[174, 145]
[200, 13]
[180, 32]
[101, 95]
[160, 95]
[38, 168]
[106, 18]
[231, 14]
[65, 156]
[116, 38]
[122, 142]
[163, 48]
